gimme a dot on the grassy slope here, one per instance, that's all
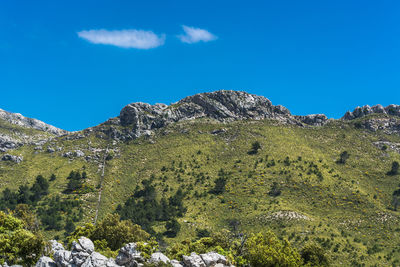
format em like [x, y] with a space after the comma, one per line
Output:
[348, 207]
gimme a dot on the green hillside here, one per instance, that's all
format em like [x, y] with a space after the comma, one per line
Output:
[293, 184]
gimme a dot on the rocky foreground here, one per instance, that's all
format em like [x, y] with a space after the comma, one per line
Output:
[82, 254]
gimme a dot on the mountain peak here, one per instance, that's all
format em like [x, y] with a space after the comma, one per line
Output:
[20, 120]
[223, 106]
[358, 112]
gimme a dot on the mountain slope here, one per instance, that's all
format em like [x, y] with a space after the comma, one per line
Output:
[292, 184]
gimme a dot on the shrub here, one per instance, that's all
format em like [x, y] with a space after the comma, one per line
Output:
[395, 168]
[267, 250]
[254, 148]
[113, 232]
[314, 255]
[17, 244]
[344, 156]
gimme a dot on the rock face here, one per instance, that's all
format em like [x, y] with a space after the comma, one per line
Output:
[12, 137]
[129, 256]
[83, 255]
[358, 112]
[18, 119]
[222, 106]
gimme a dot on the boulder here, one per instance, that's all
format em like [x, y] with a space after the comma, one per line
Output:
[129, 255]
[193, 260]
[158, 257]
[8, 157]
[55, 246]
[63, 258]
[45, 262]
[176, 263]
[212, 258]
[98, 260]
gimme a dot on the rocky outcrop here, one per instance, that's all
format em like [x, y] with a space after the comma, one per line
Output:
[12, 158]
[18, 119]
[314, 119]
[358, 112]
[222, 106]
[14, 135]
[82, 254]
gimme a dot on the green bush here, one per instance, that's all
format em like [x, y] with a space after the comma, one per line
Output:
[112, 232]
[17, 244]
[267, 250]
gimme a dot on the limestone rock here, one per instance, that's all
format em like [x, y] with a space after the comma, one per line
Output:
[8, 157]
[314, 119]
[63, 258]
[222, 106]
[193, 260]
[18, 119]
[98, 260]
[129, 255]
[45, 262]
[212, 258]
[176, 263]
[358, 112]
[158, 257]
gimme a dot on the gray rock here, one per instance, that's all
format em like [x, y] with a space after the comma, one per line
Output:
[129, 255]
[193, 260]
[55, 246]
[98, 260]
[8, 157]
[222, 106]
[45, 262]
[84, 244]
[212, 258]
[314, 119]
[79, 153]
[358, 112]
[158, 257]
[51, 150]
[63, 258]
[18, 119]
[176, 263]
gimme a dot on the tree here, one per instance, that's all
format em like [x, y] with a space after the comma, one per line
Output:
[344, 156]
[395, 168]
[314, 255]
[396, 199]
[53, 177]
[275, 190]
[173, 227]
[255, 146]
[219, 186]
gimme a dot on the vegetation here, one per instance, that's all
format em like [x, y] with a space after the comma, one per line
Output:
[293, 186]
[18, 245]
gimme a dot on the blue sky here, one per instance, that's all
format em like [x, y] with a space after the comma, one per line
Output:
[310, 56]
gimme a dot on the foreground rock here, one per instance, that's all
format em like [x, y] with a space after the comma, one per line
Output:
[82, 254]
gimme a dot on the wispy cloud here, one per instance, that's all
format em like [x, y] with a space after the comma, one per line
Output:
[195, 35]
[124, 38]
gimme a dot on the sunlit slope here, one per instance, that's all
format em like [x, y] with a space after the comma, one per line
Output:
[346, 207]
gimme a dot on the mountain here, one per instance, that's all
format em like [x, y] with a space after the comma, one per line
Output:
[17, 130]
[221, 160]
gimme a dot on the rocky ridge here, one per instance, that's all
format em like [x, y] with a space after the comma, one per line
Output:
[82, 254]
[222, 106]
[11, 138]
[18, 119]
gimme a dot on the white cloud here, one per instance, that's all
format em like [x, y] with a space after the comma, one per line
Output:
[195, 35]
[124, 38]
